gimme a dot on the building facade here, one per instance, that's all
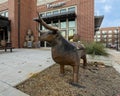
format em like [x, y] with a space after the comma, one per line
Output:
[110, 36]
[70, 16]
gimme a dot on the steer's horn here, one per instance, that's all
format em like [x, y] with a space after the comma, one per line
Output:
[40, 20]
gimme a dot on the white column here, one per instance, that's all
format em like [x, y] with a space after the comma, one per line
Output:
[8, 36]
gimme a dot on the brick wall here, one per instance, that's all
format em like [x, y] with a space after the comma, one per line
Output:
[27, 13]
[3, 6]
[39, 2]
[85, 19]
[13, 16]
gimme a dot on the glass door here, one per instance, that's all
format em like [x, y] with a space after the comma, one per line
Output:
[71, 33]
[64, 33]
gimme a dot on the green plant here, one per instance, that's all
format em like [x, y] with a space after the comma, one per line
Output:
[96, 48]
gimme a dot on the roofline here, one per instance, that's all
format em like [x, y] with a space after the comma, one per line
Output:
[100, 19]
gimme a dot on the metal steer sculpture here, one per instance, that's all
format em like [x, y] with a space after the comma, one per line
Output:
[63, 52]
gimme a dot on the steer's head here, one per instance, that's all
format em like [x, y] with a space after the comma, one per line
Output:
[49, 35]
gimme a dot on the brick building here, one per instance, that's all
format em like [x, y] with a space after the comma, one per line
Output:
[20, 13]
[110, 36]
[71, 16]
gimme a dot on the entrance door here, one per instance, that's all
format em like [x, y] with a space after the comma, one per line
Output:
[3, 34]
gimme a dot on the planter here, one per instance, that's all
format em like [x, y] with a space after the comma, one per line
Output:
[106, 60]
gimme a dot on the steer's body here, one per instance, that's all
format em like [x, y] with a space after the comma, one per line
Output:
[64, 52]
[81, 52]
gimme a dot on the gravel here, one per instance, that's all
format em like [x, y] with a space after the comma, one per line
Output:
[96, 81]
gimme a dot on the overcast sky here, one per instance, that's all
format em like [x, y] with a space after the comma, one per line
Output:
[111, 11]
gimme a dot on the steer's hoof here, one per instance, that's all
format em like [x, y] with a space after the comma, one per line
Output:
[76, 85]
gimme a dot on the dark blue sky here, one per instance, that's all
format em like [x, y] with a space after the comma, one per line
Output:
[111, 11]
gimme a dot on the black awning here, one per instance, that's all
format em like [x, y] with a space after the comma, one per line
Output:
[98, 22]
[5, 22]
[64, 15]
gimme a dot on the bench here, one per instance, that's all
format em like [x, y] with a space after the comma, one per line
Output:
[8, 46]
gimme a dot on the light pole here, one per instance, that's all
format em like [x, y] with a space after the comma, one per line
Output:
[117, 39]
[106, 40]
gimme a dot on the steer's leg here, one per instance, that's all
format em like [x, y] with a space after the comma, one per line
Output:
[75, 77]
[84, 61]
[62, 70]
[75, 73]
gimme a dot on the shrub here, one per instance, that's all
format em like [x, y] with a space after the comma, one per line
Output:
[96, 48]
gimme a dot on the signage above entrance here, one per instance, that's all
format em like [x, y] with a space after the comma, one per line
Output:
[59, 4]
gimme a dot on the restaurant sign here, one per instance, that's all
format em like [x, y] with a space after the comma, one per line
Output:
[59, 4]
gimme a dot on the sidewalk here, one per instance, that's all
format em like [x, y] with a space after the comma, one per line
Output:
[115, 56]
[19, 65]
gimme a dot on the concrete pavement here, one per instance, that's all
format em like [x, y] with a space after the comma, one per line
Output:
[18, 66]
[7, 90]
[115, 56]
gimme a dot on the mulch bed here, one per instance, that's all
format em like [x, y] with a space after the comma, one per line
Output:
[97, 81]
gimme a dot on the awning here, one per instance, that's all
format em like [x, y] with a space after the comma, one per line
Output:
[98, 22]
[64, 15]
[5, 22]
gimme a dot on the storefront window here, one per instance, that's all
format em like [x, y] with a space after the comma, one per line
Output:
[62, 10]
[72, 23]
[4, 13]
[63, 24]
[48, 13]
[55, 12]
[55, 23]
[71, 9]
[71, 32]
